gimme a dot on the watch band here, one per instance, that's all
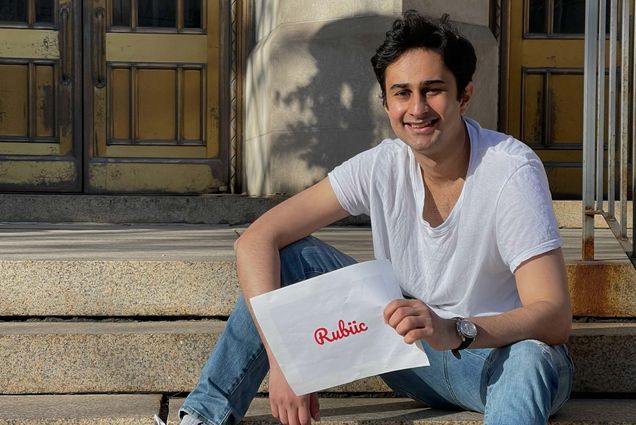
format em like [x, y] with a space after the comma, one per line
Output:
[466, 339]
[465, 343]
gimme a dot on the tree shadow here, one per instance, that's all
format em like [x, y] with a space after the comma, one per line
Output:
[339, 110]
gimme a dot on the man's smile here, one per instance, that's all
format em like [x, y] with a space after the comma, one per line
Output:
[422, 126]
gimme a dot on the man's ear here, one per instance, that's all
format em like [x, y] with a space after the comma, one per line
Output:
[466, 97]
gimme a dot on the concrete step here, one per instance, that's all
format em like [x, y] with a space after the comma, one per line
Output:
[189, 270]
[166, 357]
[80, 208]
[192, 209]
[341, 411]
[128, 409]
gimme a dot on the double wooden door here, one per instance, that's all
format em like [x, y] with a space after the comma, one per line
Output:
[111, 96]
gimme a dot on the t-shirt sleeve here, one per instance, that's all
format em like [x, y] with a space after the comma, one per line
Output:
[526, 225]
[351, 182]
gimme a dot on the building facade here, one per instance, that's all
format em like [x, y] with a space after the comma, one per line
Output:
[255, 96]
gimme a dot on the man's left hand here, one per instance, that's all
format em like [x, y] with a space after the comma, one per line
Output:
[414, 320]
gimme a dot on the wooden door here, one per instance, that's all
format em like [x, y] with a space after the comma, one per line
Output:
[40, 92]
[545, 86]
[152, 91]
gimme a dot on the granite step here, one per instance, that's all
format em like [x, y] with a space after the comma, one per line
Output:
[167, 356]
[381, 411]
[112, 409]
[189, 209]
[135, 409]
[189, 270]
[83, 208]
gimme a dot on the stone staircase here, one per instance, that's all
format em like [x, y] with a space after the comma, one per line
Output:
[111, 323]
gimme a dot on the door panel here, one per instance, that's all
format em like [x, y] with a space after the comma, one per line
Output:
[152, 120]
[40, 147]
[545, 86]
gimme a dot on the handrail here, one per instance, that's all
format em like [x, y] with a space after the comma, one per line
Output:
[595, 121]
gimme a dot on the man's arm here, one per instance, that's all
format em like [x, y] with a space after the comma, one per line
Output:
[545, 314]
[258, 266]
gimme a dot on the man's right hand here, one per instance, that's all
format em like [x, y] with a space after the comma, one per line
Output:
[286, 406]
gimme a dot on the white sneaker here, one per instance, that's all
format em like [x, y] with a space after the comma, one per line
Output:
[187, 420]
[190, 420]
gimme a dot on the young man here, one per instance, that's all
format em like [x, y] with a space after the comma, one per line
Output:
[465, 216]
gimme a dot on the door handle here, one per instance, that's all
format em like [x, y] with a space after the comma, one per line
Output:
[99, 60]
[66, 46]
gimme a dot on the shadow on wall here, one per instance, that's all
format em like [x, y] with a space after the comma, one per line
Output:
[313, 100]
[322, 104]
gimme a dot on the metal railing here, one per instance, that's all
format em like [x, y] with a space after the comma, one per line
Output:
[617, 132]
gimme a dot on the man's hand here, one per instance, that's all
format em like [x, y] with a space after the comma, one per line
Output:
[258, 268]
[415, 321]
[286, 406]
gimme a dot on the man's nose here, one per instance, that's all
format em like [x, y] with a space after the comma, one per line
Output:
[418, 105]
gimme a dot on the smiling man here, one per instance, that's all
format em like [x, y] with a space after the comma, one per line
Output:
[464, 215]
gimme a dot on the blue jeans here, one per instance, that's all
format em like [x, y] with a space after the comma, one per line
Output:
[522, 383]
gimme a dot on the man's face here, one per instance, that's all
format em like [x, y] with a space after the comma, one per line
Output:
[422, 104]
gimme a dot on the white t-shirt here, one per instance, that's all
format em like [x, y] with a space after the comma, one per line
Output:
[464, 267]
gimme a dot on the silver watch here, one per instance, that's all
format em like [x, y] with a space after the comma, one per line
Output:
[467, 331]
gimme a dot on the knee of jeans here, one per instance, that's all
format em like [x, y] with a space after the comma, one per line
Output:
[536, 358]
[310, 257]
[295, 249]
[534, 365]
[530, 348]
[298, 261]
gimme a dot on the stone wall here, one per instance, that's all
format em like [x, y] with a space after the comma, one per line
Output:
[312, 100]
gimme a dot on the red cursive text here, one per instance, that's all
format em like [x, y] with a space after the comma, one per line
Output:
[322, 335]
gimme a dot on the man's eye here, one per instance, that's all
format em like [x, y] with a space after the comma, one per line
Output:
[402, 94]
[432, 92]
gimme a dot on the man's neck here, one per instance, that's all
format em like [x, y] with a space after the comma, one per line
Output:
[450, 165]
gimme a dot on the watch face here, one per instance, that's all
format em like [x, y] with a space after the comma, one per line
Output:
[468, 328]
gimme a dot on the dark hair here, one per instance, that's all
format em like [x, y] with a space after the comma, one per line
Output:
[414, 31]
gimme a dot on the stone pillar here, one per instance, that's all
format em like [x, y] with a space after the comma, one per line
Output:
[311, 98]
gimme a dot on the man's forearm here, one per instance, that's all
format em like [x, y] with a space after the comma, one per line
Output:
[541, 320]
[258, 269]
[257, 264]
[545, 315]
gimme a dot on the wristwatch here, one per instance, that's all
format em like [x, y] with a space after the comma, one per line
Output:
[467, 332]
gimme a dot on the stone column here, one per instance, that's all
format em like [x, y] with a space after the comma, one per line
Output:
[311, 98]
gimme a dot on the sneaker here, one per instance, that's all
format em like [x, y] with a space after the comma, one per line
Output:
[187, 420]
[190, 420]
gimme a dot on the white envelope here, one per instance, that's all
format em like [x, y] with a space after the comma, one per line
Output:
[329, 330]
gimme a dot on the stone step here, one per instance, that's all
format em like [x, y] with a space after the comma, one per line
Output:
[166, 357]
[192, 209]
[380, 411]
[80, 208]
[189, 270]
[569, 214]
[132, 409]
[128, 409]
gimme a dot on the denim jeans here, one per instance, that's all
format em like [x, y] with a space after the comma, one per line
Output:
[522, 383]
